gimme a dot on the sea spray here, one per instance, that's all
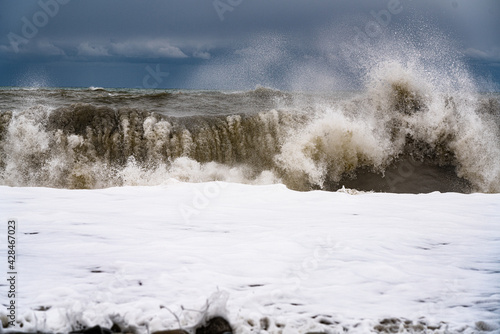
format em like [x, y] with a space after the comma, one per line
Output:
[335, 142]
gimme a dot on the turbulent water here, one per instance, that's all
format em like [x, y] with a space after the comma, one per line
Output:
[399, 134]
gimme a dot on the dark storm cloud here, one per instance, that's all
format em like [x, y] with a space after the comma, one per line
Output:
[98, 26]
[185, 35]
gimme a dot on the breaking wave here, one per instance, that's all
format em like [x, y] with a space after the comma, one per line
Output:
[400, 135]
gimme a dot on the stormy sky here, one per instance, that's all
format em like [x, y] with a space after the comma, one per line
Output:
[238, 44]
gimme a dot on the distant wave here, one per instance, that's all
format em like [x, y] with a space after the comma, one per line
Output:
[119, 97]
[97, 89]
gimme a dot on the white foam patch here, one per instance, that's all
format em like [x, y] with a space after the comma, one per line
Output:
[267, 258]
[189, 170]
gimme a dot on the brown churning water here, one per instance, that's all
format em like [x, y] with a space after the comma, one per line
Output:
[399, 135]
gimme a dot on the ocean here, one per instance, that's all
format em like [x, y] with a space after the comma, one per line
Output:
[367, 211]
[396, 136]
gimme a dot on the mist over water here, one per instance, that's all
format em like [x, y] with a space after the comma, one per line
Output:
[418, 124]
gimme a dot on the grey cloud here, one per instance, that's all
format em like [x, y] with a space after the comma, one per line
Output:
[92, 50]
[156, 48]
[49, 49]
[491, 55]
[202, 54]
[188, 35]
[153, 48]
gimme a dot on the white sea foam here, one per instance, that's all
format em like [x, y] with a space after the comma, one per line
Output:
[266, 258]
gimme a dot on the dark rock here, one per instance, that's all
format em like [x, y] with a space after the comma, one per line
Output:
[93, 330]
[388, 326]
[485, 327]
[217, 325]
[264, 323]
[173, 331]
[397, 325]
[115, 328]
[325, 321]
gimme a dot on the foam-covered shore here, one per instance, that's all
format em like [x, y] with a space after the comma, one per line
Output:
[267, 258]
